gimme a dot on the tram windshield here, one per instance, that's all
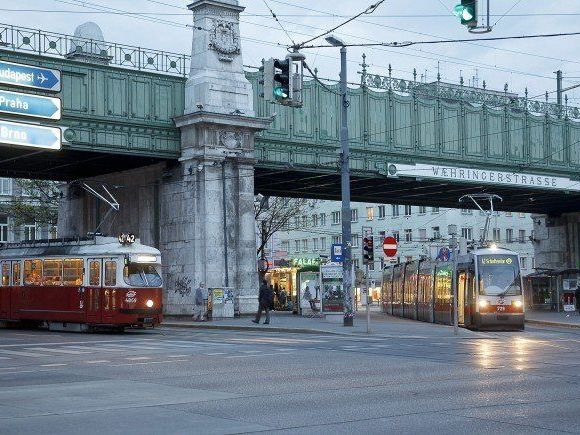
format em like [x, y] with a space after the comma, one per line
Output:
[499, 275]
[141, 275]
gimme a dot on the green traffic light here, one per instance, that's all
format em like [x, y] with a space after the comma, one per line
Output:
[279, 92]
[466, 11]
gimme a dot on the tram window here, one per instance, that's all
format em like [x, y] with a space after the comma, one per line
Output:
[73, 271]
[110, 273]
[52, 272]
[32, 272]
[5, 273]
[16, 273]
[141, 275]
[95, 273]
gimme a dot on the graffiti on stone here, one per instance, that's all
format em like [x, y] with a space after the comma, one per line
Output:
[183, 286]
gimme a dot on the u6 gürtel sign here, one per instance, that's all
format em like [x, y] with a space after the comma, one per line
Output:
[485, 176]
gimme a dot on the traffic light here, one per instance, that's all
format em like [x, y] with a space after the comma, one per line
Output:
[467, 12]
[282, 88]
[368, 250]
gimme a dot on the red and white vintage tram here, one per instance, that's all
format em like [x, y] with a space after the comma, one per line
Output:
[489, 287]
[80, 284]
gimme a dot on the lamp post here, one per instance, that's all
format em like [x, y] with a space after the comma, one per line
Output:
[345, 187]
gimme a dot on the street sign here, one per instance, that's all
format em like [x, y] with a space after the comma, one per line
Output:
[336, 253]
[444, 254]
[390, 246]
[17, 103]
[29, 76]
[28, 135]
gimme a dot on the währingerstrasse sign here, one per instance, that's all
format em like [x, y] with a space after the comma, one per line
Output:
[512, 179]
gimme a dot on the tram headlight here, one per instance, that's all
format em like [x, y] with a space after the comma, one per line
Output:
[149, 303]
[517, 304]
[483, 303]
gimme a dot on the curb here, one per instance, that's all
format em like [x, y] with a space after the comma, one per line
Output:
[248, 328]
[553, 324]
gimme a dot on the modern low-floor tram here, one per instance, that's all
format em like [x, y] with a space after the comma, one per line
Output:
[81, 284]
[489, 287]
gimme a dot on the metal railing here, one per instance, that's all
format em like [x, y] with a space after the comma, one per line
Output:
[44, 43]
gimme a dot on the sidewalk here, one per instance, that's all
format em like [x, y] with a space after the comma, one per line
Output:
[552, 318]
[382, 326]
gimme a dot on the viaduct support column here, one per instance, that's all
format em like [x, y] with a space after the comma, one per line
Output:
[557, 241]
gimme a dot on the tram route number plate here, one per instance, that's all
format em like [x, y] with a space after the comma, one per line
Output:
[500, 308]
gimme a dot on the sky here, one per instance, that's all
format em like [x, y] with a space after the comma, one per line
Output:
[527, 63]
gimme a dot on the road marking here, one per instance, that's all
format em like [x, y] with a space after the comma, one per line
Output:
[46, 349]
[251, 351]
[96, 348]
[20, 353]
[178, 356]
[53, 365]
[149, 362]
[257, 355]
[98, 361]
[134, 347]
[215, 353]
[75, 342]
[138, 358]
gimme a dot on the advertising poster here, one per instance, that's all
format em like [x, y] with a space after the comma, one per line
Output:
[309, 289]
[332, 291]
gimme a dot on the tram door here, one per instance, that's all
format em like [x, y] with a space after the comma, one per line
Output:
[94, 290]
[5, 291]
[461, 287]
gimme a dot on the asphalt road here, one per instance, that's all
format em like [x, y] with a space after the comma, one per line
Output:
[170, 381]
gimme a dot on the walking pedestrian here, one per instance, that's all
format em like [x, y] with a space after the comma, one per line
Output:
[199, 303]
[264, 301]
[577, 295]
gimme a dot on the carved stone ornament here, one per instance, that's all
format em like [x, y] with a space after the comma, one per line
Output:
[230, 139]
[223, 38]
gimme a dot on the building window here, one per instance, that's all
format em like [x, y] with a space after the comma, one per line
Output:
[335, 217]
[422, 209]
[354, 215]
[323, 243]
[481, 231]
[434, 210]
[382, 212]
[296, 222]
[322, 219]
[408, 235]
[304, 222]
[422, 234]
[3, 229]
[496, 234]
[467, 233]
[523, 263]
[5, 186]
[408, 258]
[371, 266]
[356, 263]
[436, 232]
[395, 210]
[355, 240]
[508, 214]
[466, 211]
[533, 262]
[53, 232]
[522, 236]
[304, 245]
[522, 215]
[509, 235]
[314, 220]
[408, 210]
[315, 244]
[30, 232]
[285, 246]
[370, 213]
[396, 236]
[336, 240]
[296, 245]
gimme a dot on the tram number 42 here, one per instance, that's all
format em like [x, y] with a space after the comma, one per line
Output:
[127, 239]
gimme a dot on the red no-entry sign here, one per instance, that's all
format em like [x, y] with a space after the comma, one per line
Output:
[390, 246]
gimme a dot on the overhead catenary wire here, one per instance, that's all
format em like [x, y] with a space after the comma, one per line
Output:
[279, 23]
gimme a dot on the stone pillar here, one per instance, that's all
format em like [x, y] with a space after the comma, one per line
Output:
[557, 241]
[208, 226]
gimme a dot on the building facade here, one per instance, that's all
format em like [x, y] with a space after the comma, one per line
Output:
[420, 231]
[10, 191]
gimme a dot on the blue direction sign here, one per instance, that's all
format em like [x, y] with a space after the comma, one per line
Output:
[336, 253]
[17, 103]
[28, 135]
[29, 76]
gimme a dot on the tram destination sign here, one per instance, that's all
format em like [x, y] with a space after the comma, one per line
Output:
[17, 103]
[28, 76]
[31, 136]
[482, 176]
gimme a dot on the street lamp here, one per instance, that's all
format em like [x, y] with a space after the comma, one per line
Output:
[345, 187]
